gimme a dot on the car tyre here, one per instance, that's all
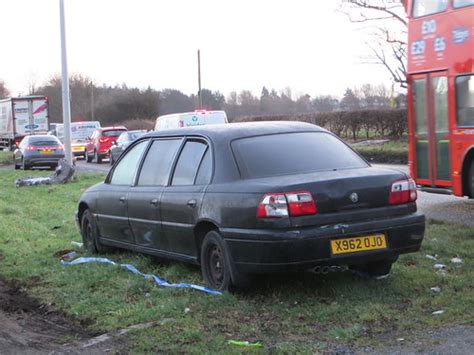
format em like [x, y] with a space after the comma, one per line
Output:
[24, 165]
[375, 269]
[16, 165]
[97, 158]
[218, 270]
[90, 235]
[111, 159]
[88, 157]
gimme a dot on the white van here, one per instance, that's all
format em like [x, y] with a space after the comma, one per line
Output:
[80, 132]
[187, 119]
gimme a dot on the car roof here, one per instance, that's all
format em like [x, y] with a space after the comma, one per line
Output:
[41, 136]
[110, 128]
[231, 131]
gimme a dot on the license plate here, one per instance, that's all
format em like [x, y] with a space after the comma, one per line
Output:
[46, 151]
[356, 244]
[77, 149]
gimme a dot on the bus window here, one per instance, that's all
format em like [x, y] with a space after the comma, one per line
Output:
[428, 7]
[462, 3]
[465, 100]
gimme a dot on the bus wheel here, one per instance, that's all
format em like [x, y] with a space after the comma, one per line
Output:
[470, 180]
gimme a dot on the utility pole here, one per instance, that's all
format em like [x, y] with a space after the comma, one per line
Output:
[92, 101]
[199, 80]
[65, 87]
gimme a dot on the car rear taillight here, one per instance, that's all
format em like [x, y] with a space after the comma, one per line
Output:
[59, 147]
[103, 140]
[292, 204]
[403, 191]
[31, 147]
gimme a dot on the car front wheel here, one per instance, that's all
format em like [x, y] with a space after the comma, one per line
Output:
[89, 234]
[217, 268]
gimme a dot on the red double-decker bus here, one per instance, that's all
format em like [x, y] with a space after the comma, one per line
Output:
[441, 94]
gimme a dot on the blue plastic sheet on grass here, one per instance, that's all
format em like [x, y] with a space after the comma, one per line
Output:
[158, 281]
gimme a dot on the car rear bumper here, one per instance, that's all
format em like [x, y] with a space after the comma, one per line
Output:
[264, 251]
[46, 160]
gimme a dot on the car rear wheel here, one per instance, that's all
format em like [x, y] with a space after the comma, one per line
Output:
[97, 158]
[89, 234]
[88, 157]
[217, 267]
[24, 165]
[375, 269]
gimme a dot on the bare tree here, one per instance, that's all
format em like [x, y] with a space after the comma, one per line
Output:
[386, 25]
[4, 92]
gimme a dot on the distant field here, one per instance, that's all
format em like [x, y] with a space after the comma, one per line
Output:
[293, 313]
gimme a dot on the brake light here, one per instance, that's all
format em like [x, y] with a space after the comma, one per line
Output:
[294, 204]
[103, 140]
[31, 147]
[403, 191]
[59, 147]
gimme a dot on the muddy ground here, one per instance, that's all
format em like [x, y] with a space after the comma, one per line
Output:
[28, 327]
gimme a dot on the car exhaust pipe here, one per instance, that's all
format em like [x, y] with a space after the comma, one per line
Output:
[327, 269]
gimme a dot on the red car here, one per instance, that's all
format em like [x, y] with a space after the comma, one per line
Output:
[98, 145]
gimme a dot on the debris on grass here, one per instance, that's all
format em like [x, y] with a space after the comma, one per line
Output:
[431, 257]
[437, 313]
[435, 289]
[108, 336]
[245, 343]
[77, 244]
[157, 280]
[456, 261]
[439, 266]
[63, 174]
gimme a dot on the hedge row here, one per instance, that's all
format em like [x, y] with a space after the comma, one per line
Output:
[349, 124]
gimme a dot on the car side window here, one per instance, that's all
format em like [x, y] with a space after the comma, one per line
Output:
[188, 163]
[156, 167]
[204, 173]
[125, 170]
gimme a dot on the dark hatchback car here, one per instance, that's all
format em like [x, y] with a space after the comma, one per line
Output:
[248, 198]
[122, 142]
[38, 150]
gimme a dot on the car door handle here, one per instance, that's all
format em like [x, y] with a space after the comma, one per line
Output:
[192, 203]
[122, 199]
[154, 202]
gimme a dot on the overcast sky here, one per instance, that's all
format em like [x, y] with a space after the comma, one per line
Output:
[304, 44]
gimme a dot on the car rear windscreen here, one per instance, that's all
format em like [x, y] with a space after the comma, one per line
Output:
[112, 133]
[293, 153]
[42, 141]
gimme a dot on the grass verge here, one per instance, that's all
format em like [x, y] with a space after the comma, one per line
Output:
[393, 152]
[296, 313]
[6, 157]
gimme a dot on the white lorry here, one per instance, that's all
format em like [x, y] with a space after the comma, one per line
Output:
[21, 116]
[187, 119]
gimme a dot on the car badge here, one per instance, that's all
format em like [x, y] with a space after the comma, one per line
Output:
[354, 197]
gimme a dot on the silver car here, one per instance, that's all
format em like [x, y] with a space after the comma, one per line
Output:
[38, 150]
